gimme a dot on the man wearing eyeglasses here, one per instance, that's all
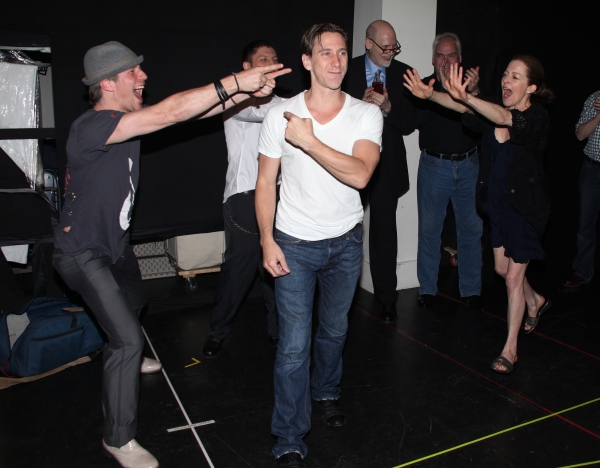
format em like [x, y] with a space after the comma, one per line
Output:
[390, 180]
[448, 169]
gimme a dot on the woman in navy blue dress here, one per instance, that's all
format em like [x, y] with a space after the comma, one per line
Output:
[511, 188]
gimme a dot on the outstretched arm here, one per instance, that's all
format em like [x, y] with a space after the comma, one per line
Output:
[188, 104]
[355, 170]
[415, 84]
[458, 90]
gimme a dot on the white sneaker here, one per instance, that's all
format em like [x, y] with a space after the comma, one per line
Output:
[150, 366]
[132, 455]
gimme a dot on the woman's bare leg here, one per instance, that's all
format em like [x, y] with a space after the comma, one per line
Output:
[534, 300]
[514, 277]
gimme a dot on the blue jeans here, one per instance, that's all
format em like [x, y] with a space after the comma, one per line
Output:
[589, 206]
[335, 264]
[440, 181]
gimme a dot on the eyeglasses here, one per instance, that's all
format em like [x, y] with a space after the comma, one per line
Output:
[395, 50]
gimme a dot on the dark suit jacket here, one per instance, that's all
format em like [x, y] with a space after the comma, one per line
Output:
[392, 170]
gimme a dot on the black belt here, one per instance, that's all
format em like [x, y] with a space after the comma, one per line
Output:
[247, 192]
[593, 161]
[451, 157]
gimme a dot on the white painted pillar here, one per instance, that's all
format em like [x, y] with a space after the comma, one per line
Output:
[414, 22]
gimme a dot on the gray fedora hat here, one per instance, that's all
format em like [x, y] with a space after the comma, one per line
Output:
[107, 60]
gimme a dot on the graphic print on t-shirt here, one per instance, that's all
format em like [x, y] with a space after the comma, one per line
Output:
[125, 216]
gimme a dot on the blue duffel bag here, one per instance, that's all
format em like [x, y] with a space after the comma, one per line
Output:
[58, 332]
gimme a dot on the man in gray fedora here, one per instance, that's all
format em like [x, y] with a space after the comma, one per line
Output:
[92, 253]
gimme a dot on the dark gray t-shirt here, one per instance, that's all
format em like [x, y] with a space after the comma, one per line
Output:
[100, 187]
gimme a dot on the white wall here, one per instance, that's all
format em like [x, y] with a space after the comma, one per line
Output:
[414, 22]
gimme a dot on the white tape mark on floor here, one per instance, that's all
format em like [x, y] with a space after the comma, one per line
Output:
[185, 415]
[181, 428]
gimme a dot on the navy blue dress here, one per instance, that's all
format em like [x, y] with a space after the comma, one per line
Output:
[509, 229]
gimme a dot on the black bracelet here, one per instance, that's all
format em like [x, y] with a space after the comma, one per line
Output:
[223, 96]
[236, 82]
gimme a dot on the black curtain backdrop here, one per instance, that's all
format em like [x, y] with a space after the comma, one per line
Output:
[185, 45]
[565, 40]
[189, 44]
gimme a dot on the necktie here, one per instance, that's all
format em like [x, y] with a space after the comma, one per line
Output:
[377, 75]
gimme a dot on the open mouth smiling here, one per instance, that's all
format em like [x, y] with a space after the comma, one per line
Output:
[137, 92]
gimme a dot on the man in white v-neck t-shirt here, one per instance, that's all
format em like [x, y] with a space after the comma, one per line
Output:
[327, 145]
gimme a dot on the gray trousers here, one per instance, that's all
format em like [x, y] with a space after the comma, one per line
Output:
[114, 294]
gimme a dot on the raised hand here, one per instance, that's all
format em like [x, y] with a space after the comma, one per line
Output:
[415, 85]
[269, 86]
[473, 74]
[454, 83]
[260, 80]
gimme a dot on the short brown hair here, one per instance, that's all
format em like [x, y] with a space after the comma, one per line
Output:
[313, 34]
[95, 91]
[253, 47]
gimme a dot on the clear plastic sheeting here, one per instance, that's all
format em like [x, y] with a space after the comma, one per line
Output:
[19, 109]
[16, 57]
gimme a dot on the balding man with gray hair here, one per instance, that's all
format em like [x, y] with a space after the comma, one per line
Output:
[390, 180]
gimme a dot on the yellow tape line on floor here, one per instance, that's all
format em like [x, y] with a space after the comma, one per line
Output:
[597, 462]
[498, 433]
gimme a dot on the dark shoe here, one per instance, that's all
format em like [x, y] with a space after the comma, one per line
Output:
[290, 460]
[212, 346]
[332, 413]
[388, 314]
[474, 302]
[502, 361]
[575, 282]
[273, 341]
[426, 300]
[532, 322]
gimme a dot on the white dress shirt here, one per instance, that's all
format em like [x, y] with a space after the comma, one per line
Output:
[242, 127]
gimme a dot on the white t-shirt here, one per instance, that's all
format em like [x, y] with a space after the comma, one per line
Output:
[242, 127]
[314, 205]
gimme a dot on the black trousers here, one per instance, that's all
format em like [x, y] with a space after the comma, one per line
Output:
[115, 295]
[383, 240]
[243, 259]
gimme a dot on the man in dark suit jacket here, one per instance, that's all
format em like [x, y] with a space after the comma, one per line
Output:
[390, 180]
